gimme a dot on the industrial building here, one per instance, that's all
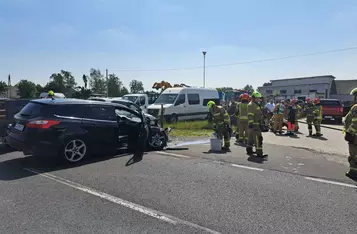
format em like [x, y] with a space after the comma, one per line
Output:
[300, 88]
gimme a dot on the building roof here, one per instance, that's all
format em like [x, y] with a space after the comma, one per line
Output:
[345, 86]
[302, 78]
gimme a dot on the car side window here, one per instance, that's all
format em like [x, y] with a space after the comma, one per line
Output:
[69, 111]
[100, 113]
[193, 99]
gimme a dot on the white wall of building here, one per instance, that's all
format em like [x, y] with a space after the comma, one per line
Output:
[299, 87]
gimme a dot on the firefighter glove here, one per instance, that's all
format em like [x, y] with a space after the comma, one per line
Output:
[349, 137]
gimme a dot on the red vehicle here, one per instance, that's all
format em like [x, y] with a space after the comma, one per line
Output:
[332, 109]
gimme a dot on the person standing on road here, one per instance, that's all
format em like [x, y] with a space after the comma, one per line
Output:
[242, 117]
[318, 117]
[298, 113]
[279, 117]
[221, 123]
[291, 118]
[255, 119]
[237, 117]
[270, 107]
[350, 137]
[310, 116]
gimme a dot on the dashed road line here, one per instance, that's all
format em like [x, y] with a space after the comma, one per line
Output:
[172, 154]
[331, 182]
[144, 210]
[247, 167]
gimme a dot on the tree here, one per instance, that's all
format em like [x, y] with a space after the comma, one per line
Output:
[63, 82]
[124, 91]
[114, 86]
[224, 89]
[249, 88]
[26, 89]
[3, 87]
[97, 82]
[85, 81]
[136, 86]
[39, 90]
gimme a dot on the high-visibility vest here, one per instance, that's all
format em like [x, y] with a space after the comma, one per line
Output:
[243, 111]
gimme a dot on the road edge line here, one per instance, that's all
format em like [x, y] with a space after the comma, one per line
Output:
[247, 167]
[172, 154]
[133, 206]
[331, 182]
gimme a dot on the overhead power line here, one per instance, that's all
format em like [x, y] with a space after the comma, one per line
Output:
[238, 63]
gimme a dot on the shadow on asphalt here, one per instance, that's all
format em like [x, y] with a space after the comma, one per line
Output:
[215, 152]
[13, 169]
[4, 149]
[318, 138]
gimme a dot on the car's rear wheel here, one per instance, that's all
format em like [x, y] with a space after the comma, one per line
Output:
[74, 150]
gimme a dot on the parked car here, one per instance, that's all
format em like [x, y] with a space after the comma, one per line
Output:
[332, 109]
[71, 129]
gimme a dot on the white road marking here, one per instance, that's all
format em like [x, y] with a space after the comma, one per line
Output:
[246, 167]
[331, 182]
[171, 154]
[144, 210]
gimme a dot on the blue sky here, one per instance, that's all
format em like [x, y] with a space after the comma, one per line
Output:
[39, 37]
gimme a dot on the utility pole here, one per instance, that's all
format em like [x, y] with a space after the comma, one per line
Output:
[204, 68]
[106, 76]
[9, 86]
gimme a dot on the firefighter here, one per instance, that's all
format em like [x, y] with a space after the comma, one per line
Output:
[50, 94]
[350, 137]
[279, 117]
[255, 119]
[221, 123]
[242, 118]
[237, 117]
[318, 117]
[298, 114]
[310, 116]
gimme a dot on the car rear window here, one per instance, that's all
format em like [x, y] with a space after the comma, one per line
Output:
[32, 109]
[330, 103]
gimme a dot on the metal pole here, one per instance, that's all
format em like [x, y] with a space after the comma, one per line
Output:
[106, 76]
[204, 68]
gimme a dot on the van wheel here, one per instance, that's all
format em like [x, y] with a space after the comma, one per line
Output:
[74, 151]
[173, 118]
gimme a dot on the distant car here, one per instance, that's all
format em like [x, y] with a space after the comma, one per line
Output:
[72, 129]
[332, 109]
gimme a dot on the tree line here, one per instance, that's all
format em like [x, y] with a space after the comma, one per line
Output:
[64, 82]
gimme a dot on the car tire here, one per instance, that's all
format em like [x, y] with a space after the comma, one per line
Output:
[74, 150]
[173, 119]
[157, 141]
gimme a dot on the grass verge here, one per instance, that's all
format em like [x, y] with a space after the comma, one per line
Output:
[191, 128]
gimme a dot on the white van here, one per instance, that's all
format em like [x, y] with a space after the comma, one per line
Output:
[184, 103]
[140, 99]
[56, 96]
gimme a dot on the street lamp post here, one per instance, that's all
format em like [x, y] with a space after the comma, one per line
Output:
[204, 68]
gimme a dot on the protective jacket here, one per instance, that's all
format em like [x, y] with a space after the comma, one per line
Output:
[255, 115]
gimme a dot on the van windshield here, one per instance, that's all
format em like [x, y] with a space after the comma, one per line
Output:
[166, 98]
[130, 98]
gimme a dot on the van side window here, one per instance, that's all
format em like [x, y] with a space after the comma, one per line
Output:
[205, 101]
[181, 99]
[142, 101]
[193, 99]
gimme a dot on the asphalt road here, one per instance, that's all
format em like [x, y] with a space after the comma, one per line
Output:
[178, 191]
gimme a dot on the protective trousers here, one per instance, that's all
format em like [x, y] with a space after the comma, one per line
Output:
[317, 124]
[278, 122]
[352, 159]
[255, 138]
[309, 120]
[237, 130]
[223, 133]
[243, 130]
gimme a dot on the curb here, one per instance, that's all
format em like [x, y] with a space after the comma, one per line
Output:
[324, 126]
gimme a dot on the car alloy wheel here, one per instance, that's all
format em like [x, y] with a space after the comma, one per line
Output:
[157, 141]
[75, 150]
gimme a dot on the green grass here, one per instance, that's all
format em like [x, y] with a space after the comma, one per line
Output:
[190, 128]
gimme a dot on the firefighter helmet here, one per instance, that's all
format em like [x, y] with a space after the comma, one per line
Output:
[210, 104]
[317, 100]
